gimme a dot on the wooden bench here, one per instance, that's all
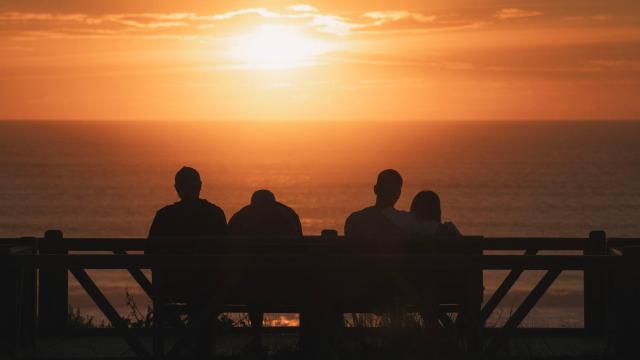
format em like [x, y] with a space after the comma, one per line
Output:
[310, 281]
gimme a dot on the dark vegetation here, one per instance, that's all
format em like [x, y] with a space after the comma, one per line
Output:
[138, 318]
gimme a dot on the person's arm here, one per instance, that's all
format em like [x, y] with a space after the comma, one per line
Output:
[156, 230]
[298, 225]
[220, 223]
[349, 230]
[452, 229]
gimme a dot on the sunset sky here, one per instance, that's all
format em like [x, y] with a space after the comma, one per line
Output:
[312, 60]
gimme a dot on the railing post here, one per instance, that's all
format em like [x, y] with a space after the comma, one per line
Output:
[595, 287]
[30, 295]
[626, 300]
[17, 303]
[53, 297]
[9, 324]
[473, 312]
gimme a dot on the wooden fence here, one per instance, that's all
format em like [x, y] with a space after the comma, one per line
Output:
[611, 272]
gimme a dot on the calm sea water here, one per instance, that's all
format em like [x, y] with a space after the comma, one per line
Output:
[494, 178]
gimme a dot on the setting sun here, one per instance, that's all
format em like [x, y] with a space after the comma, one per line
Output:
[277, 46]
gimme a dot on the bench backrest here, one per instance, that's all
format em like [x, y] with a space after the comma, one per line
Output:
[364, 284]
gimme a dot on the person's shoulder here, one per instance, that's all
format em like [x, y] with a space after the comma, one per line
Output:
[242, 213]
[362, 215]
[404, 217]
[166, 210]
[286, 209]
[448, 229]
[366, 211]
[211, 207]
[425, 228]
[206, 203]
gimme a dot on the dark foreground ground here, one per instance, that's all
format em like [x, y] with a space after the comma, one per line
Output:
[284, 346]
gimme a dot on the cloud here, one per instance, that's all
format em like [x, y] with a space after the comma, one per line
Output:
[332, 24]
[265, 13]
[382, 17]
[29, 16]
[303, 8]
[515, 13]
[29, 25]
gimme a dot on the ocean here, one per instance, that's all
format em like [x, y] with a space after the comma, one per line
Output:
[494, 178]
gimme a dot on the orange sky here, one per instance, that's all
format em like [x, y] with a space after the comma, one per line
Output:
[339, 60]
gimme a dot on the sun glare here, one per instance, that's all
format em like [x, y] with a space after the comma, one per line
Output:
[274, 46]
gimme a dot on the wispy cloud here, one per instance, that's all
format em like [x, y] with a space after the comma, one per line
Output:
[515, 13]
[382, 17]
[303, 8]
[29, 25]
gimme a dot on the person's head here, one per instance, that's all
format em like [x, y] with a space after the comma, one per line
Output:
[188, 183]
[388, 188]
[263, 198]
[426, 205]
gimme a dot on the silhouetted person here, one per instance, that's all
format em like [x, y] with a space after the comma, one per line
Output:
[428, 226]
[380, 228]
[264, 216]
[182, 228]
[381, 223]
[428, 215]
[190, 217]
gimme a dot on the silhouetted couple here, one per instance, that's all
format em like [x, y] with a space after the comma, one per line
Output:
[386, 229]
[186, 226]
[382, 222]
[193, 217]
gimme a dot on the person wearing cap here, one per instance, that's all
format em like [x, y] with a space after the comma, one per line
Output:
[264, 217]
[183, 228]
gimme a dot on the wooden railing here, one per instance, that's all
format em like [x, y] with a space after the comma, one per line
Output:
[608, 264]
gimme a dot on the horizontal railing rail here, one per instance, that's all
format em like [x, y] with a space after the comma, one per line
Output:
[232, 261]
[484, 243]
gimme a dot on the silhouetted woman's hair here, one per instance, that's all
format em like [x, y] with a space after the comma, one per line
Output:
[426, 205]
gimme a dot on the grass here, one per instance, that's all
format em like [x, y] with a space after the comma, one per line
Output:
[401, 343]
[137, 318]
[77, 320]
